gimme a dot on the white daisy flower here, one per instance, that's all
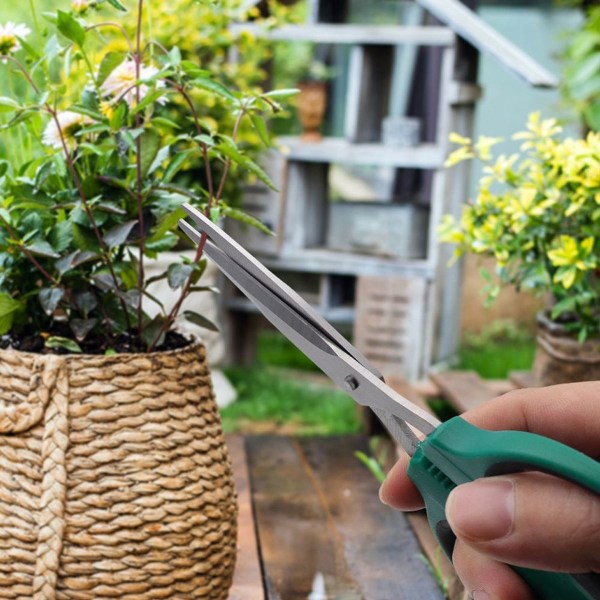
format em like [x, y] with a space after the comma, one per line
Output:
[70, 123]
[121, 82]
[9, 36]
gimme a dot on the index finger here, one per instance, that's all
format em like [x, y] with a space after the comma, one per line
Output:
[568, 413]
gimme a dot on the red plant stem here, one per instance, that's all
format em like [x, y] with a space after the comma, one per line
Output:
[138, 144]
[200, 249]
[188, 100]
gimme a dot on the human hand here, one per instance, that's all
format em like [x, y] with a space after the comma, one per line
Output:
[527, 519]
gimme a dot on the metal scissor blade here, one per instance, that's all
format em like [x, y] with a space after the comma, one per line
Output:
[278, 287]
[343, 369]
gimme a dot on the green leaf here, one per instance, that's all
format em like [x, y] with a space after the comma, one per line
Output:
[81, 327]
[282, 94]
[175, 165]
[165, 122]
[60, 236]
[191, 69]
[49, 299]
[119, 234]
[150, 145]
[160, 244]
[261, 128]
[119, 117]
[117, 5]
[8, 105]
[160, 158]
[42, 248]
[68, 25]
[86, 302]
[199, 320]
[230, 150]
[149, 99]
[65, 343]
[109, 63]
[213, 86]
[87, 111]
[239, 215]
[178, 274]
[8, 307]
[152, 330]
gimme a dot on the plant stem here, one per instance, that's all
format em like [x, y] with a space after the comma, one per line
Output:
[199, 251]
[138, 142]
[29, 255]
[188, 100]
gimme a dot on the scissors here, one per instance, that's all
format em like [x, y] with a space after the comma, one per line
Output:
[451, 453]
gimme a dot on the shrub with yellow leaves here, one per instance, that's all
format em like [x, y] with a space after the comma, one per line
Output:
[538, 213]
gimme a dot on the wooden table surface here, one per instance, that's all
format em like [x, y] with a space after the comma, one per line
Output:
[311, 526]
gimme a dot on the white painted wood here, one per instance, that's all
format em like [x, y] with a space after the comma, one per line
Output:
[388, 328]
[486, 39]
[351, 34]
[322, 260]
[353, 94]
[424, 156]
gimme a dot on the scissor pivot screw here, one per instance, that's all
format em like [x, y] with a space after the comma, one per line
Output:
[351, 383]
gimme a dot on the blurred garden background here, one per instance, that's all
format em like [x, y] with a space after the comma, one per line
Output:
[282, 391]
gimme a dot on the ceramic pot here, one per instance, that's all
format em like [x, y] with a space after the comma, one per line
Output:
[312, 103]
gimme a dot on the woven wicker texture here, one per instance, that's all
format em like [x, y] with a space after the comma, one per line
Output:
[115, 480]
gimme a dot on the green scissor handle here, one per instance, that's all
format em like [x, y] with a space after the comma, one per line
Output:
[458, 452]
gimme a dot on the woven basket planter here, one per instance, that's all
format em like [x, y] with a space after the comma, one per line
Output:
[115, 481]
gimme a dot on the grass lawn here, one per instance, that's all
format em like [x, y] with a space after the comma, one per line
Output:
[271, 400]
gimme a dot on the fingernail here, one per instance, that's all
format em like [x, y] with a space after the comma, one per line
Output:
[482, 510]
[480, 595]
[382, 494]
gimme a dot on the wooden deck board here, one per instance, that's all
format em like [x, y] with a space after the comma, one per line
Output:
[464, 390]
[247, 579]
[317, 511]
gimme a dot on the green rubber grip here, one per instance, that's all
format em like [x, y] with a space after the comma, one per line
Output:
[458, 452]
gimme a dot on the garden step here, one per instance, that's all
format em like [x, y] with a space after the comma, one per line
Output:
[464, 390]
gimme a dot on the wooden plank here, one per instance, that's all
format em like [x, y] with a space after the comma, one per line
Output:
[368, 95]
[247, 579]
[321, 523]
[418, 520]
[486, 39]
[464, 390]
[409, 391]
[437, 560]
[334, 149]
[296, 536]
[351, 34]
[322, 260]
[375, 541]
[523, 379]
[389, 322]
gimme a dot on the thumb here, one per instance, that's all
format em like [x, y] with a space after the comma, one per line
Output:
[529, 519]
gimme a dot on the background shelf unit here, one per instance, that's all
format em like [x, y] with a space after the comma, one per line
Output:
[415, 293]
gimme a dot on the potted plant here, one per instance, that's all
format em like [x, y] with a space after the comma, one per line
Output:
[538, 213]
[117, 479]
